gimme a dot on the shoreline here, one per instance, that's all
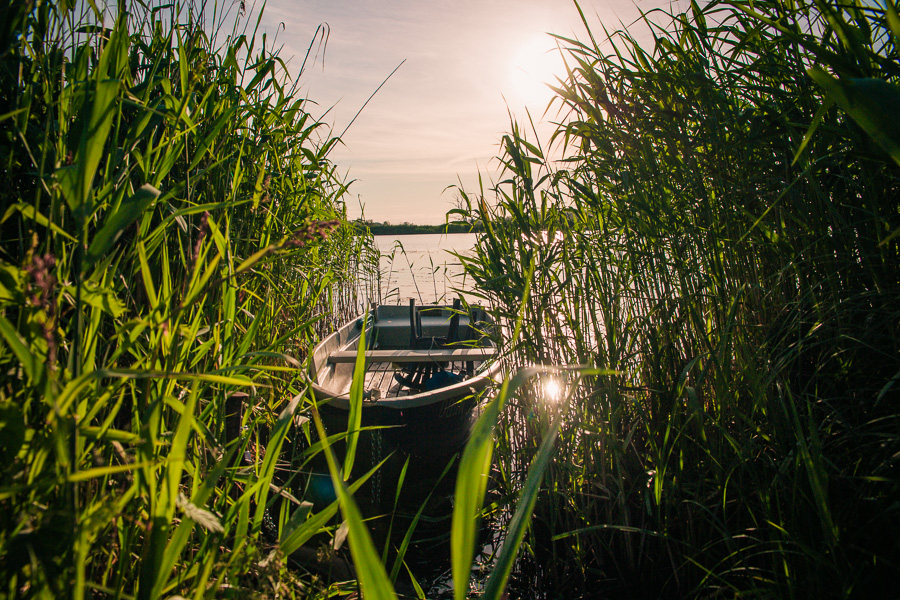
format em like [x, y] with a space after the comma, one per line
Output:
[376, 228]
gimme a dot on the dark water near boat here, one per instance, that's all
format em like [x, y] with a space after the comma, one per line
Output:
[421, 516]
[422, 267]
[408, 503]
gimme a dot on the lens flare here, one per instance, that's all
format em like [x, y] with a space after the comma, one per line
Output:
[553, 389]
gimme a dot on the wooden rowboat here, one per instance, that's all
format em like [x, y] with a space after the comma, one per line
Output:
[425, 368]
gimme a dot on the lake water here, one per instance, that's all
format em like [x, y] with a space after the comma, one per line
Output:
[421, 267]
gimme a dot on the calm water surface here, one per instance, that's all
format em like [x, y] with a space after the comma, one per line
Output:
[421, 267]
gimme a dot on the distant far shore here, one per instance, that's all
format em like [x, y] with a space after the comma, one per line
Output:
[385, 228]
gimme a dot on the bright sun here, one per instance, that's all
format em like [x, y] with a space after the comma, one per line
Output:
[536, 63]
[553, 390]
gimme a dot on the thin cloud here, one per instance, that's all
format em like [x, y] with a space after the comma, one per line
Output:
[441, 115]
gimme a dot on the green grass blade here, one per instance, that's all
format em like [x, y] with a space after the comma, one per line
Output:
[872, 103]
[28, 361]
[354, 417]
[471, 485]
[372, 576]
[126, 214]
[295, 537]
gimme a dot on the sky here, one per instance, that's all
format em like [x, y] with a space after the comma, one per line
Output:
[438, 120]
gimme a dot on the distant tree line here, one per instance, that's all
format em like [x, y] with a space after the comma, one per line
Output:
[407, 228]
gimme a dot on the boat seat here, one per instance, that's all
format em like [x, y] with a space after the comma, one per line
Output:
[424, 340]
[442, 325]
[391, 328]
[418, 338]
[392, 325]
[415, 356]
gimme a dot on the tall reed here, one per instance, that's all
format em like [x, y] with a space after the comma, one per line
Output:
[172, 237]
[721, 233]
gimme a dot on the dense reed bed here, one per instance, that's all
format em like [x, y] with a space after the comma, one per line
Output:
[718, 249]
[172, 242]
[722, 234]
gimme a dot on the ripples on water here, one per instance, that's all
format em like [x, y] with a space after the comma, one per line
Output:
[421, 267]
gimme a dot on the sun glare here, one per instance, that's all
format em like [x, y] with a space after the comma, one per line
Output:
[535, 64]
[553, 390]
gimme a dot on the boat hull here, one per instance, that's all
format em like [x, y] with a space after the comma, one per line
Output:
[417, 422]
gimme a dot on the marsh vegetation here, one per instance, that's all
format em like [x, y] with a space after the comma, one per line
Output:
[718, 250]
[722, 234]
[172, 243]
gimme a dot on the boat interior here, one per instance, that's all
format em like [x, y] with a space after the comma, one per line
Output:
[410, 349]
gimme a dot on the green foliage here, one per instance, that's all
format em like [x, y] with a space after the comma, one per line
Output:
[172, 241]
[720, 232]
[475, 469]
